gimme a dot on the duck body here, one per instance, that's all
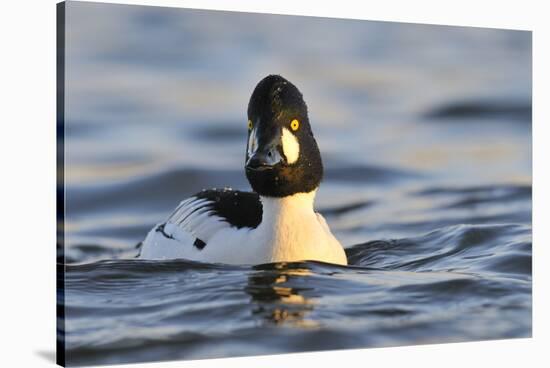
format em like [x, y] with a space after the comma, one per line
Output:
[274, 223]
[287, 229]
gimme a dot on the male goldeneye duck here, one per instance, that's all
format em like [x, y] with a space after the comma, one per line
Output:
[276, 222]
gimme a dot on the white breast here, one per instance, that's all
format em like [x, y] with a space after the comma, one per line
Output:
[295, 232]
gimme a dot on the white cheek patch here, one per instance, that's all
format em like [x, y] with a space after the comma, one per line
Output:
[291, 147]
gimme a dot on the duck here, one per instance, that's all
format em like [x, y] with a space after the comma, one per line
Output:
[276, 221]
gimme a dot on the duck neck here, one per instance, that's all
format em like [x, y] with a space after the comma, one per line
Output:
[281, 210]
[288, 226]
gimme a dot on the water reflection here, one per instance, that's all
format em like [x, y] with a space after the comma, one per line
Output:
[279, 297]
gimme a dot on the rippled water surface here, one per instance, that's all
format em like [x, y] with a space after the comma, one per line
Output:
[425, 132]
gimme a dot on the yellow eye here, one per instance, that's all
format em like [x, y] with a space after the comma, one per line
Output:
[249, 124]
[294, 125]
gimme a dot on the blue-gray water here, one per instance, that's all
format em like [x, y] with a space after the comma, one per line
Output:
[425, 132]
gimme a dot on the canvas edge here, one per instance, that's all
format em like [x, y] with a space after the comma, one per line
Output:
[60, 182]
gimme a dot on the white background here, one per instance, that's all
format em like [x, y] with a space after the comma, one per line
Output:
[27, 179]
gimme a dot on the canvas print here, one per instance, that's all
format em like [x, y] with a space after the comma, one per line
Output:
[236, 184]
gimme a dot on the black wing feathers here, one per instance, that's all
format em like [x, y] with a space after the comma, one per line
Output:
[239, 209]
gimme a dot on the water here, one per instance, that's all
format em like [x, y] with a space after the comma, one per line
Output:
[425, 133]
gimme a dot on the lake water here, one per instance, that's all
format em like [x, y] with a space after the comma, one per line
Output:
[425, 132]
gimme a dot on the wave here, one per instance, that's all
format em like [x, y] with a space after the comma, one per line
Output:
[484, 109]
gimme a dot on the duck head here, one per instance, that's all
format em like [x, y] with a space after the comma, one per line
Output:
[282, 156]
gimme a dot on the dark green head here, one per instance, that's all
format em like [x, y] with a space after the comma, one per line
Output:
[282, 157]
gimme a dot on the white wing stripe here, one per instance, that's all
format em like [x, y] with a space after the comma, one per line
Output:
[195, 217]
[209, 227]
[179, 208]
[188, 209]
[191, 220]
